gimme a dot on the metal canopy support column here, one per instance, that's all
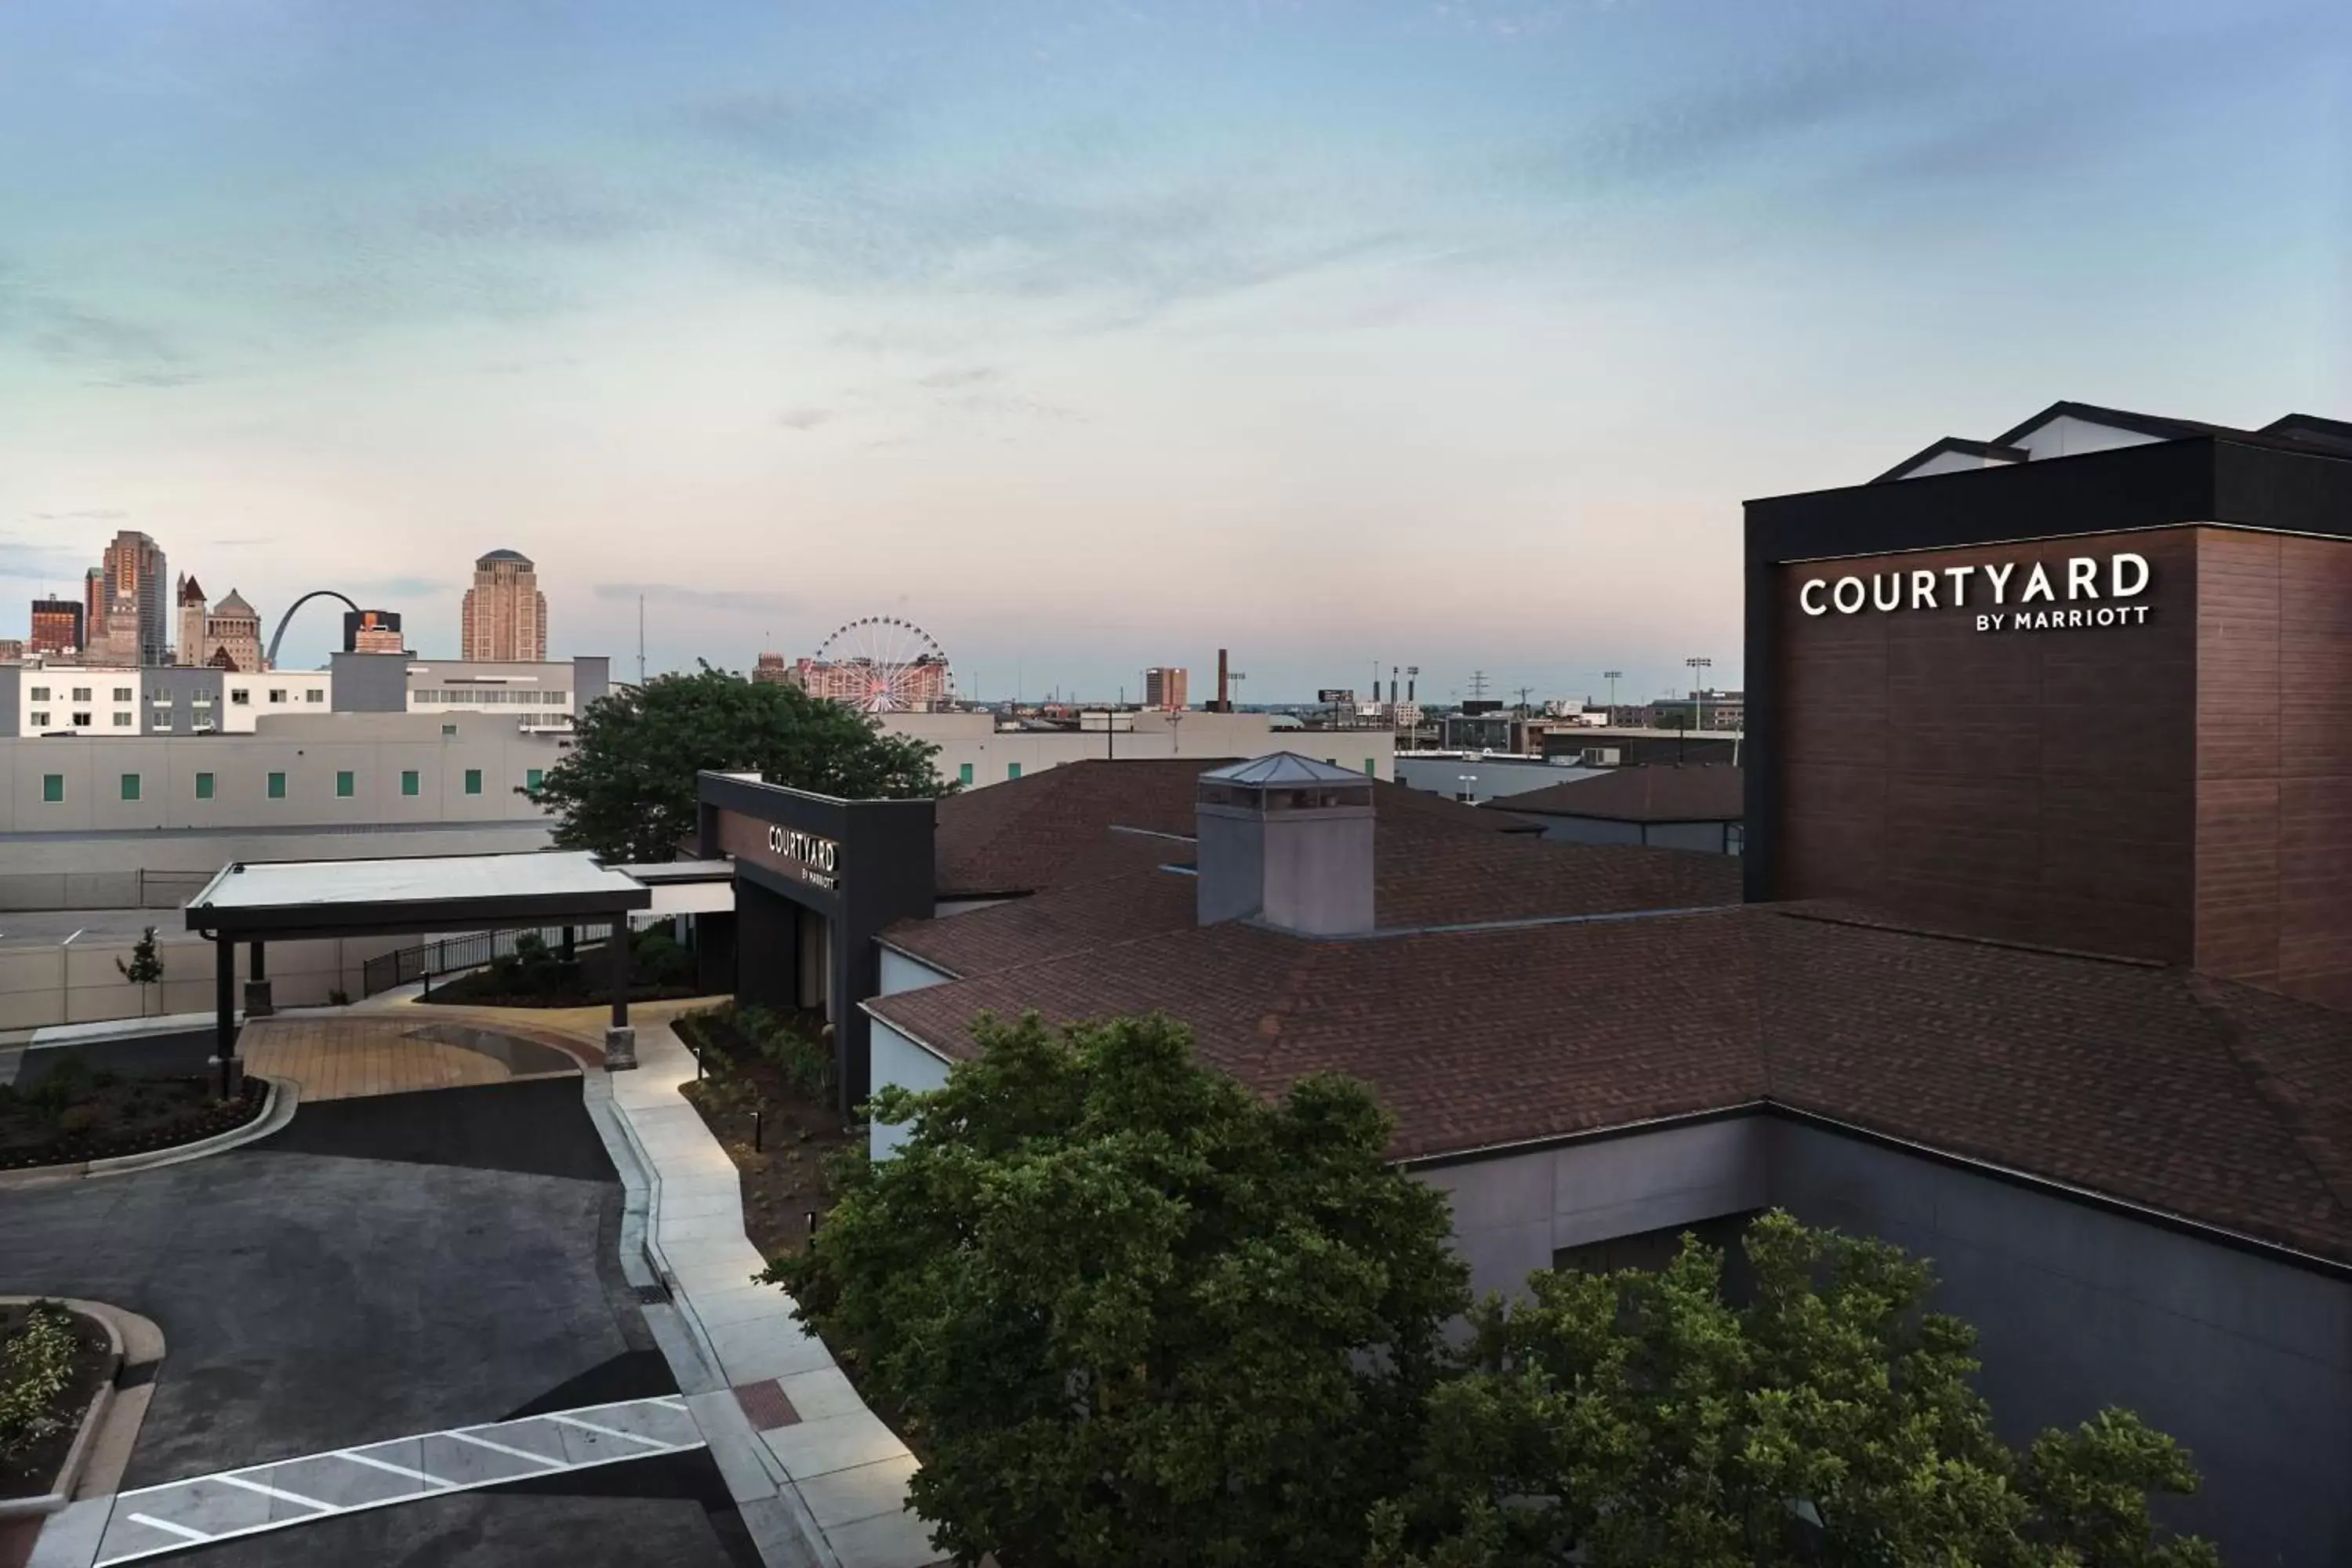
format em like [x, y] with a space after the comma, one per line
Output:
[224, 1061]
[620, 1041]
[258, 1003]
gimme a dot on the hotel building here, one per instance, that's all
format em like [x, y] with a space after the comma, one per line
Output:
[2033, 962]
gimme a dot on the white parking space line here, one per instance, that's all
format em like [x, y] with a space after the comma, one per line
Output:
[608, 1431]
[233, 1480]
[372, 1460]
[167, 1527]
[502, 1448]
[201, 1510]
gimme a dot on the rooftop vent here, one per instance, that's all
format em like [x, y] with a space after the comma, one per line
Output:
[1287, 840]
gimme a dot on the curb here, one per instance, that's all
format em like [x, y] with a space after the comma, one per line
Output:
[787, 1492]
[61, 1485]
[277, 1107]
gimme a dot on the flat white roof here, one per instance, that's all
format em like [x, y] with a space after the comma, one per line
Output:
[426, 880]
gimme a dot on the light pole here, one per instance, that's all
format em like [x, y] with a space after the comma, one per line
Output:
[1698, 667]
[1612, 677]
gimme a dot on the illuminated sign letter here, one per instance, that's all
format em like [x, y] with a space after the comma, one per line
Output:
[1998, 577]
[2037, 583]
[2081, 577]
[1838, 595]
[2139, 575]
[1805, 597]
[1922, 590]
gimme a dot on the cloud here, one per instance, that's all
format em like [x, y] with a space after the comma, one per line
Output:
[42, 563]
[791, 128]
[535, 207]
[720, 599]
[966, 376]
[123, 351]
[804, 418]
[388, 587]
[96, 514]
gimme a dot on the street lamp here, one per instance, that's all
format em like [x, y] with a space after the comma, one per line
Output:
[1698, 689]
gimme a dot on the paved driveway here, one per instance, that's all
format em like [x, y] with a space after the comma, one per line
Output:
[380, 1268]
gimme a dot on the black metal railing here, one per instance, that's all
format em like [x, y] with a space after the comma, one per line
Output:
[457, 954]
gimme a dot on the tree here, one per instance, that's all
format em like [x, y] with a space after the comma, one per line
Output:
[145, 968]
[626, 789]
[1830, 1420]
[1133, 1313]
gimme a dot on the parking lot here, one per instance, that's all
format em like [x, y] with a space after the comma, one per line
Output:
[384, 1267]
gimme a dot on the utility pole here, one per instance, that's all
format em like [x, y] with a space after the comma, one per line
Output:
[1477, 684]
[641, 642]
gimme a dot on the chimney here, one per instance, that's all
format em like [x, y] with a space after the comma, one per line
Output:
[1286, 840]
[1225, 694]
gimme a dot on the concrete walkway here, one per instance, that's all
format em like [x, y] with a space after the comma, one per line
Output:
[820, 1450]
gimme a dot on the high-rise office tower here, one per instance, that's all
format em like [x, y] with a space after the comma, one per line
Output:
[57, 626]
[93, 606]
[505, 614]
[1163, 688]
[190, 648]
[138, 609]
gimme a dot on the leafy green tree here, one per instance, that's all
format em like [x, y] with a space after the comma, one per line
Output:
[625, 789]
[1133, 1314]
[1646, 1419]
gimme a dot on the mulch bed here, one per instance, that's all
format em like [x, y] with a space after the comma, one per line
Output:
[480, 990]
[783, 1178]
[130, 1116]
[30, 1473]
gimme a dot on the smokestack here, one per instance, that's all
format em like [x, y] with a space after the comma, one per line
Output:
[1224, 693]
[1409, 697]
[1392, 672]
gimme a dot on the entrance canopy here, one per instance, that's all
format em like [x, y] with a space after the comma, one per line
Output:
[280, 899]
[261, 902]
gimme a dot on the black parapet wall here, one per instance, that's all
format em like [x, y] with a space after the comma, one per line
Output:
[859, 864]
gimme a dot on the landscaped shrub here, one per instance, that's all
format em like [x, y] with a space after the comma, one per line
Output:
[35, 1366]
[660, 959]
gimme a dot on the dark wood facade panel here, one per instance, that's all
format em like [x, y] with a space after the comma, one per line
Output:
[2030, 784]
[2274, 759]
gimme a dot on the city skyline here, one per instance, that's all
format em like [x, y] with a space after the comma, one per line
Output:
[1098, 340]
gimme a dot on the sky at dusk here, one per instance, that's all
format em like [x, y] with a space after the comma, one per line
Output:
[1092, 336]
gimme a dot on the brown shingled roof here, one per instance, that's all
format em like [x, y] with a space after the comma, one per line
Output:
[1025, 834]
[1700, 792]
[1429, 870]
[2147, 1084]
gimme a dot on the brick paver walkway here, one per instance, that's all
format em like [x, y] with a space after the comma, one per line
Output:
[344, 1056]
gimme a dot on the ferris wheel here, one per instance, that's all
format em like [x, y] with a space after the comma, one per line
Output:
[881, 664]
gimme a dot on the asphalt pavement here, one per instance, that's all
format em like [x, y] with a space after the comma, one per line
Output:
[385, 1267]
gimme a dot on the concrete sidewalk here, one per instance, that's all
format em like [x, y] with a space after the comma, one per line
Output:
[819, 1450]
[847, 1467]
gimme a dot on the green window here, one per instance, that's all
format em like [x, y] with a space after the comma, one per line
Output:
[131, 787]
[473, 781]
[277, 787]
[203, 786]
[963, 772]
[408, 781]
[53, 786]
[531, 777]
[344, 785]
[1013, 770]
[1371, 768]
[448, 729]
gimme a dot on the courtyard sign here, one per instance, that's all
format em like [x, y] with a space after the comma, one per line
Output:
[2091, 594]
[818, 859]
